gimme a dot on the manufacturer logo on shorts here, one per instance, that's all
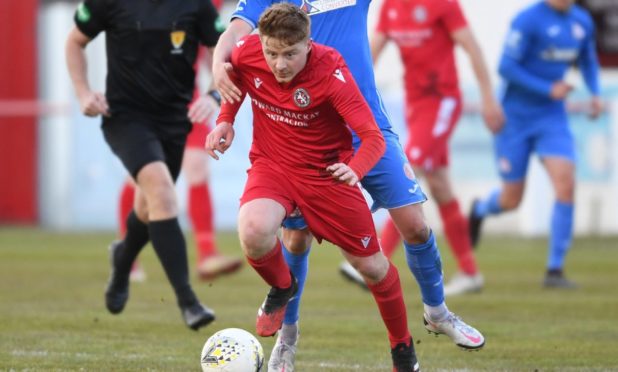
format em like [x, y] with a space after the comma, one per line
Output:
[366, 241]
[177, 38]
[301, 98]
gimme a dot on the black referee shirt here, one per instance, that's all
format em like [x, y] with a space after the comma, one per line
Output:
[151, 50]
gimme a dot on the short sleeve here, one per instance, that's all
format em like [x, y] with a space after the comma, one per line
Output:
[210, 26]
[91, 17]
[453, 16]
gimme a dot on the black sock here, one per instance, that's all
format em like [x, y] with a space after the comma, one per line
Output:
[135, 239]
[169, 243]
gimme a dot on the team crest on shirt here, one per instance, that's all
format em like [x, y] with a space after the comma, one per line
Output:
[301, 98]
[177, 38]
[419, 14]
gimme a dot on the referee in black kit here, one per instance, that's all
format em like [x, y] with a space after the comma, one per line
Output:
[151, 49]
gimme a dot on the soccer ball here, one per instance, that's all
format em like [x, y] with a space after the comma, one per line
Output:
[232, 350]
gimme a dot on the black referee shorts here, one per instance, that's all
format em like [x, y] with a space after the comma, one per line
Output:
[141, 141]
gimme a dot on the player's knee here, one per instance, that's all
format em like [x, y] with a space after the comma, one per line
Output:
[373, 268]
[255, 236]
[296, 241]
[417, 232]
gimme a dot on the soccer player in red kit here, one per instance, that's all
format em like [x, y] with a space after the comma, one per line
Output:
[426, 32]
[303, 100]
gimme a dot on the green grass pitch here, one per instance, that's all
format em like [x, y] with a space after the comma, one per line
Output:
[52, 315]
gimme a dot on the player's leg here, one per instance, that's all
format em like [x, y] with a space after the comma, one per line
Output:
[468, 278]
[557, 151]
[392, 184]
[210, 263]
[125, 206]
[296, 246]
[157, 186]
[340, 215]
[512, 149]
[264, 204]
[258, 222]
[562, 175]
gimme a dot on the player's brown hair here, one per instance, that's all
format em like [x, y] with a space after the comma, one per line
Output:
[285, 22]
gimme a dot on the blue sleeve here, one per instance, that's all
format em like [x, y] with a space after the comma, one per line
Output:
[588, 62]
[516, 48]
[250, 10]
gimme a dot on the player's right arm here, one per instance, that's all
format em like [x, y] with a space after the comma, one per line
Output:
[88, 23]
[91, 103]
[221, 66]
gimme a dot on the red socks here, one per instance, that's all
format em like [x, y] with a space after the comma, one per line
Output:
[273, 268]
[387, 294]
[125, 206]
[389, 238]
[456, 232]
[200, 212]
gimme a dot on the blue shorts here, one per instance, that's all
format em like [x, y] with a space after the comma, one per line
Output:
[391, 182]
[547, 136]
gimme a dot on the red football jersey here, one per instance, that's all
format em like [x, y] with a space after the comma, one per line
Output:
[301, 125]
[422, 31]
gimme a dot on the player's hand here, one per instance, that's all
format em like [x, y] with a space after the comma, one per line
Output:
[220, 139]
[493, 115]
[343, 173]
[560, 90]
[93, 104]
[596, 107]
[202, 109]
[221, 77]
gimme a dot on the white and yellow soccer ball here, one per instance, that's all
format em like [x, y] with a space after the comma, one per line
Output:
[232, 350]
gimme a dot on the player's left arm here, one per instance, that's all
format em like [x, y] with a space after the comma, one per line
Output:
[589, 65]
[209, 29]
[347, 99]
[491, 109]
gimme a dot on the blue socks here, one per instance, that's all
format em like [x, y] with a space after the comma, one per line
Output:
[490, 205]
[425, 263]
[299, 265]
[561, 234]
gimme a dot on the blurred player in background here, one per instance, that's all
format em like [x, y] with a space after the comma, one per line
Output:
[391, 183]
[545, 39]
[210, 262]
[426, 32]
[149, 84]
[303, 100]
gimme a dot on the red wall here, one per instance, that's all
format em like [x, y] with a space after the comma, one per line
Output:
[18, 144]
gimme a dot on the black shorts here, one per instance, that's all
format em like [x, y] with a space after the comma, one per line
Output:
[139, 141]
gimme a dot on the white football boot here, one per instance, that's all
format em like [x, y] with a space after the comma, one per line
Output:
[463, 335]
[462, 283]
[283, 354]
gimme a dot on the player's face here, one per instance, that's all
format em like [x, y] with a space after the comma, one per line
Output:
[561, 5]
[285, 61]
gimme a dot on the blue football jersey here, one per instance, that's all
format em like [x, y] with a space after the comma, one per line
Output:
[541, 45]
[341, 24]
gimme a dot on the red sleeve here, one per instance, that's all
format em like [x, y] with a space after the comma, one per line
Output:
[453, 17]
[351, 105]
[228, 111]
[382, 24]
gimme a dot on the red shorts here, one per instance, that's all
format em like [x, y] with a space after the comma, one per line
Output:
[430, 124]
[197, 136]
[333, 211]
